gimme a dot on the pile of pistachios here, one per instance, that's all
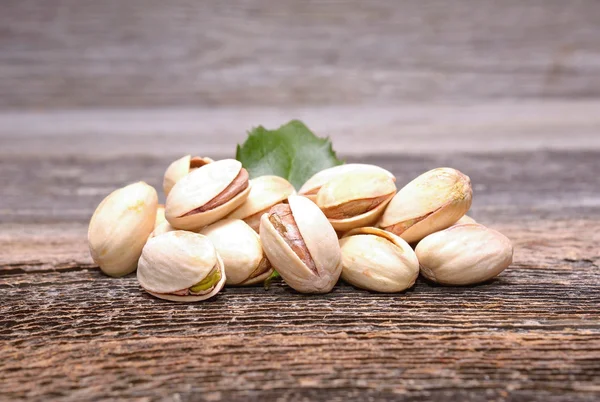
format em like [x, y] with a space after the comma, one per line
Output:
[218, 227]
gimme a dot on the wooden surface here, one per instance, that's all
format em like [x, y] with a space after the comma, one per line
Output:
[69, 332]
[145, 53]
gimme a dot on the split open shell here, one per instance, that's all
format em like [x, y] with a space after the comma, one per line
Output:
[241, 250]
[301, 245]
[314, 184]
[378, 260]
[265, 192]
[433, 201]
[356, 199]
[181, 266]
[207, 194]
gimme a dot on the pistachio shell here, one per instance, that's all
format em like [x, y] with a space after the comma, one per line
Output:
[188, 202]
[160, 216]
[356, 199]
[433, 201]
[464, 254]
[308, 229]
[240, 248]
[465, 219]
[174, 262]
[377, 260]
[180, 168]
[162, 229]
[120, 226]
[312, 185]
[266, 191]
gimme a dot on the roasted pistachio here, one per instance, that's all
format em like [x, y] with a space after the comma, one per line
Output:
[314, 184]
[120, 226]
[181, 266]
[160, 216]
[240, 248]
[378, 260]
[355, 199]
[465, 219]
[265, 192]
[180, 168]
[464, 254]
[301, 245]
[207, 194]
[433, 201]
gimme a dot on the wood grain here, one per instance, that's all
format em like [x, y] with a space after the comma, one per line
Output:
[142, 53]
[68, 332]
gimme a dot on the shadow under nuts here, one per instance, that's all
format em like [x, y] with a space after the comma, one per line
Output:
[301, 245]
[464, 254]
[181, 266]
[207, 194]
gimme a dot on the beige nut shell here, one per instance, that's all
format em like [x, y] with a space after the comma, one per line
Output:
[178, 260]
[312, 185]
[240, 248]
[266, 191]
[120, 226]
[377, 260]
[321, 241]
[198, 188]
[464, 254]
[433, 201]
[354, 186]
[180, 168]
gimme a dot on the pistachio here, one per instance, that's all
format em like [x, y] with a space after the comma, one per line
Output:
[464, 254]
[207, 194]
[162, 228]
[377, 260]
[240, 248]
[160, 216]
[314, 184]
[266, 191]
[120, 226]
[465, 219]
[355, 199]
[181, 266]
[180, 168]
[433, 201]
[301, 245]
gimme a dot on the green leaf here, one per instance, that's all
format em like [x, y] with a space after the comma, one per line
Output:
[292, 152]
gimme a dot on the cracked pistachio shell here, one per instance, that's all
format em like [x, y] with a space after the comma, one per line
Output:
[207, 194]
[356, 199]
[180, 168]
[312, 185]
[266, 191]
[377, 260]
[433, 201]
[160, 216]
[464, 254]
[120, 226]
[174, 262]
[304, 237]
[240, 248]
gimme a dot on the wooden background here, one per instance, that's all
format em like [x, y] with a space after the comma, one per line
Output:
[97, 94]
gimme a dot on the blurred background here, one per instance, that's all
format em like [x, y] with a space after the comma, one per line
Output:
[172, 77]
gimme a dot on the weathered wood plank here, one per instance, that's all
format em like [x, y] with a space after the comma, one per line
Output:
[354, 130]
[534, 331]
[70, 53]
